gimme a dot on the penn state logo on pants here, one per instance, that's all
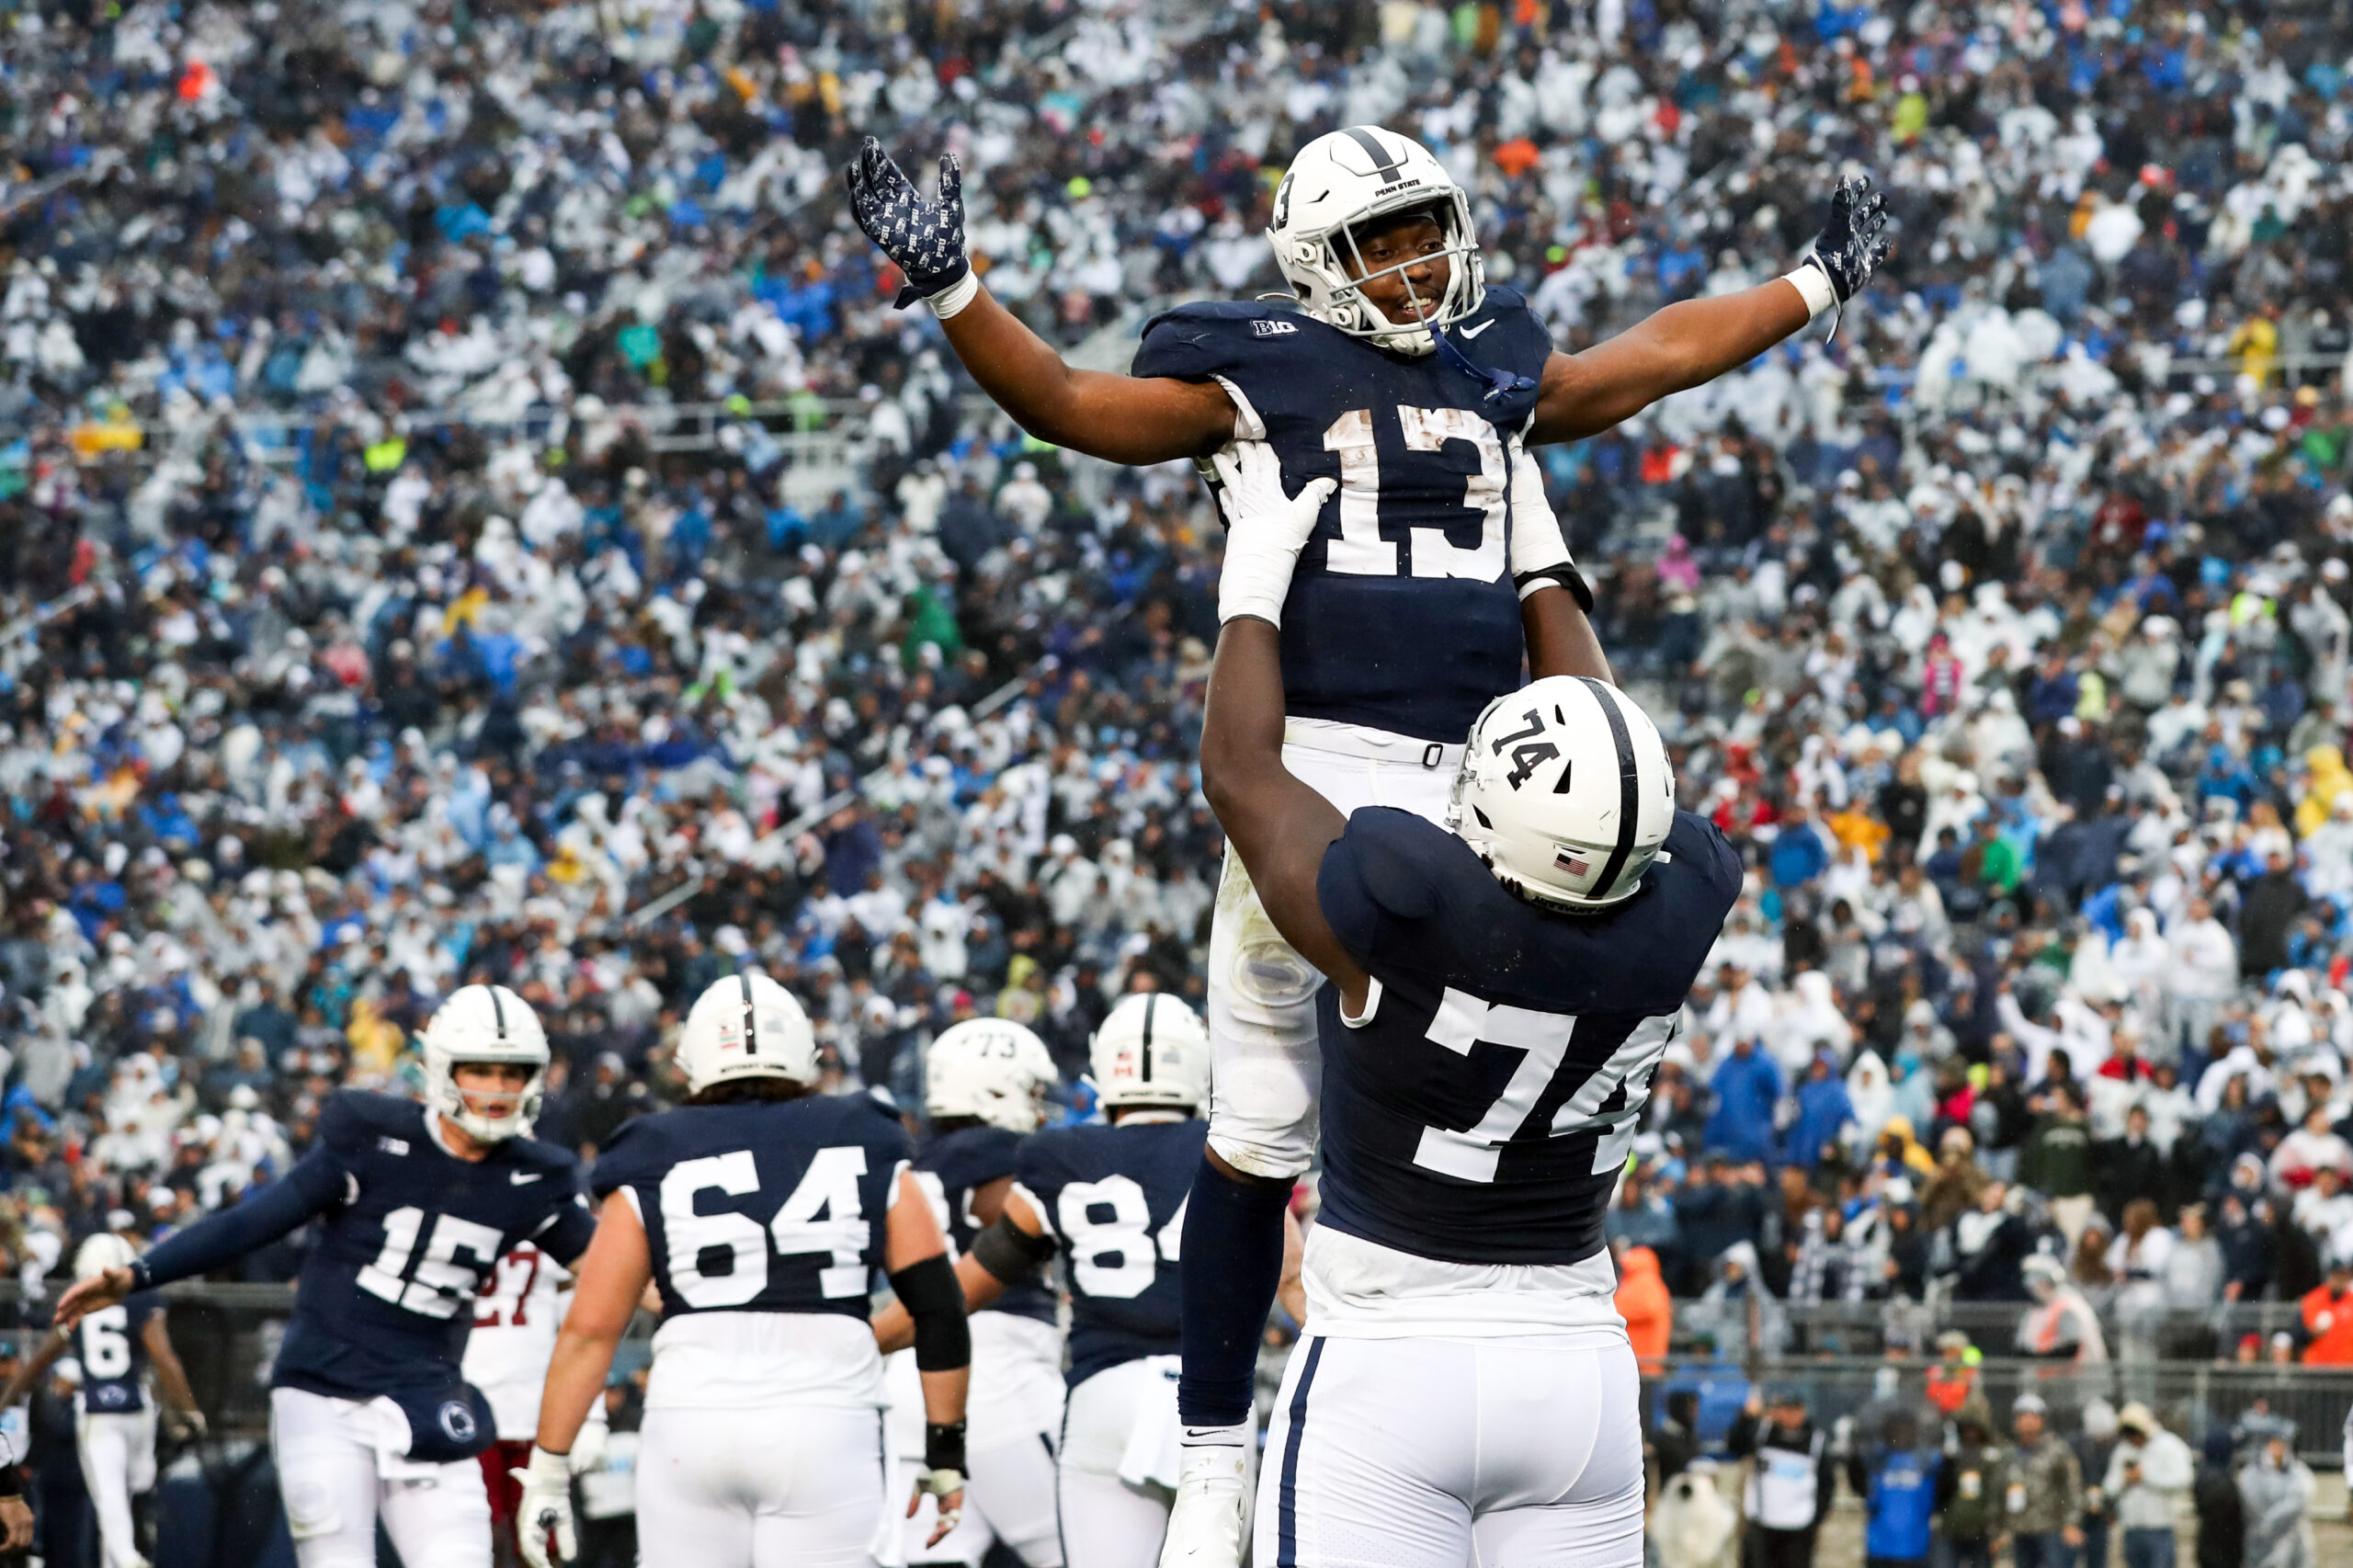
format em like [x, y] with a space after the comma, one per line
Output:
[457, 1421]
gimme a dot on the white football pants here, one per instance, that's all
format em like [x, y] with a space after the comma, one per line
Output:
[1261, 993]
[1438, 1453]
[1121, 1419]
[118, 1451]
[787, 1487]
[337, 1482]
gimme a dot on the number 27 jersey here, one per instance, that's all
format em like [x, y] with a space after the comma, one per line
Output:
[1401, 614]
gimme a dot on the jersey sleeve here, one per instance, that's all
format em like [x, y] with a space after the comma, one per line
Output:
[981, 1156]
[1039, 1174]
[318, 1182]
[1372, 879]
[627, 1159]
[565, 1233]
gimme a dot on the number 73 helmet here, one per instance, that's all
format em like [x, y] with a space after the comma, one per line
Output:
[1565, 791]
[991, 1070]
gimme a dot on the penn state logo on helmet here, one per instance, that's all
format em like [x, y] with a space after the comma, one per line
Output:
[1337, 185]
[747, 1026]
[1566, 791]
[486, 1026]
[1152, 1049]
[993, 1070]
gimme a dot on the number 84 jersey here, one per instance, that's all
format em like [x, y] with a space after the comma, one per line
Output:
[1114, 1197]
[1401, 614]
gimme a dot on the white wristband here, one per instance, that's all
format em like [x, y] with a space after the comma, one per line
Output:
[956, 296]
[1814, 284]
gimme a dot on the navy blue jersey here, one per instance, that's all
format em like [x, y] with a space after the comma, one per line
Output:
[386, 1295]
[1481, 1112]
[953, 1166]
[113, 1355]
[761, 1208]
[1402, 613]
[1114, 1197]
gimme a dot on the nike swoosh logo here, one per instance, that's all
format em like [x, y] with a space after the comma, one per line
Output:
[524, 1178]
[1471, 331]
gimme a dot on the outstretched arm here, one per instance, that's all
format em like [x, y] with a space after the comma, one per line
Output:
[1695, 341]
[313, 1186]
[1125, 419]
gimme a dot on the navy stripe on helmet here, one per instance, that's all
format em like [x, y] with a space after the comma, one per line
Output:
[751, 1029]
[1384, 162]
[1150, 1002]
[1629, 782]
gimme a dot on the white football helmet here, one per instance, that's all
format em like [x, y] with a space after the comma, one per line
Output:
[490, 1025]
[1565, 791]
[747, 1026]
[991, 1069]
[1342, 180]
[1151, 1051]
[101, 1252]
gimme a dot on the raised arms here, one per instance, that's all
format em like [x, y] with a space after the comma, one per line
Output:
[1124, 419]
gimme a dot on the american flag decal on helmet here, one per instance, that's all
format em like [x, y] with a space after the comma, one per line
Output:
[1567, 862]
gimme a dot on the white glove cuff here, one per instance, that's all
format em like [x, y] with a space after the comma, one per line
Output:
[1256, 579]
[956, 296]
[1813, 283]
[550, 1469]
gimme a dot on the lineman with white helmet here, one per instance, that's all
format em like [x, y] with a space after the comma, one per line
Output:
[760, 1210]
[1110, 1200]
[1407, 392]
[371, 1417]
[114, 1420]
[986, 1082]
[1503, 987]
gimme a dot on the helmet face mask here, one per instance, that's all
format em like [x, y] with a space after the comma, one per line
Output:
[486, 1026]
[1341, 186]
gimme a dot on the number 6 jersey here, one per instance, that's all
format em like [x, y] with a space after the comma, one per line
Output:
[765, 1223]
[1401, 614]
[1477, 1116]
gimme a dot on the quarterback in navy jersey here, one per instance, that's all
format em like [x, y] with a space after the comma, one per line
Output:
[985, 1090]
[1503, 987]
[760, 1211]
[114, 1426]
[1408, 392]
[416, 1204]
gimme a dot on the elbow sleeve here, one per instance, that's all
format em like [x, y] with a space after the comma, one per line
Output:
[932, 1297]
[1011, 1255]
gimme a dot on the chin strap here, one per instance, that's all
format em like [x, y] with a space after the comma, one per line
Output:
[1499, 383]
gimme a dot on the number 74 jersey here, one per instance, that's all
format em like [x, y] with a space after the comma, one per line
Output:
[1402, 615]
[1482, 1108]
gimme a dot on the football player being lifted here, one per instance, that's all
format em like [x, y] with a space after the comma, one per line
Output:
[370, 1415]
[1399, 376]
[1503, 986]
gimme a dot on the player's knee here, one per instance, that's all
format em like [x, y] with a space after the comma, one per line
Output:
[1257, 1150]
[313, 1513]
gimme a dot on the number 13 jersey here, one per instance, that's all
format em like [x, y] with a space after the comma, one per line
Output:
[1401, 614]
[1477, 1116]
[765, 1223]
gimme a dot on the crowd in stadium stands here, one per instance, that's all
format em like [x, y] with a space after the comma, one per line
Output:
[2007, 631]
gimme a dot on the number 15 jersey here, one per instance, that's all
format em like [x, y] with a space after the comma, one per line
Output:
[1401, 614]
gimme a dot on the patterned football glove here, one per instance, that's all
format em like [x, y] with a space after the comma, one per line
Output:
[545, 1509]
[1847, 251]
[924, 238]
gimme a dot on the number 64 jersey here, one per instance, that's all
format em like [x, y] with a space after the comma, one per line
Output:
[1477, 1117]
[765, 1223]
